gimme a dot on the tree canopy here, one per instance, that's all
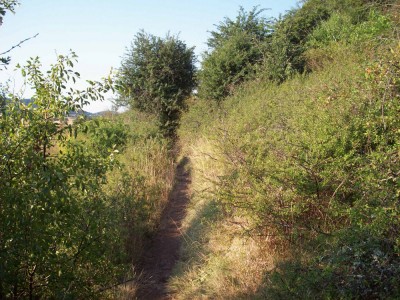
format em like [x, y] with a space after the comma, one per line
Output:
[235, 47]
[156, 75]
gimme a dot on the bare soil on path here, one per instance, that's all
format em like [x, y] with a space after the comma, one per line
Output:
[159, 260]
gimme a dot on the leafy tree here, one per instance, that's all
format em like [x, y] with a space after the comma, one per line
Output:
[249, 22]
[156, 76]
[284, 53]
[6, 5]
[235, 48]
[59, 234]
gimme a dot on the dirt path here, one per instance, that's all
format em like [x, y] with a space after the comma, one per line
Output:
[160, 259]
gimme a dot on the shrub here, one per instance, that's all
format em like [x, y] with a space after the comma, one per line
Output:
[107, 136]
[235, 48]
[59, 233]
[312, 164]
[339, 27]
[156, 76]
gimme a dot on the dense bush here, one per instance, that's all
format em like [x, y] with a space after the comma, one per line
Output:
[339, 28]
[314, 24]
[235, 48]
[107, 135]
[359, 257]
[312, 164]
[253, 46]
[156, 76]
[77, 202]
[59, 233]
[284, 52]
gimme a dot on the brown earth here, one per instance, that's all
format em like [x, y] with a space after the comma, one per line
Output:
[159, 260]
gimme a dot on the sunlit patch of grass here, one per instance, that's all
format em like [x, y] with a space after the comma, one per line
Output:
[217, 261]
[141, 181]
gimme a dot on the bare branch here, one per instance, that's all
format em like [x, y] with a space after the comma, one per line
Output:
[19, 44]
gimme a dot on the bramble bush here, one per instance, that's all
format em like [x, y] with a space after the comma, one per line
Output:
[360, 256]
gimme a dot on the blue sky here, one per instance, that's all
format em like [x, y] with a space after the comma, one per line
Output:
[99, 31]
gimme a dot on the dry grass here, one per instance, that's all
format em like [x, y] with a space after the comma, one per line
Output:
[144, 179]
[217, 260]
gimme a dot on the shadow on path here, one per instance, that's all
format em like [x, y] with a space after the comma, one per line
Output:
[160, 259]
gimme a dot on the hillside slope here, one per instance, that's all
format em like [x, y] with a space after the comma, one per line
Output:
[296, 186]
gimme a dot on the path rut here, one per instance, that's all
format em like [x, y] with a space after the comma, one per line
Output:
[161, 257]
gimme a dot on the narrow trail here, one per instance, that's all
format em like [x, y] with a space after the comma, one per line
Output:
[160, 259]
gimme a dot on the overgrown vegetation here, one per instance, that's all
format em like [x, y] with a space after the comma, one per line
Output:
[294, 143]
[77, 201]
[308, 168]
[56, 224]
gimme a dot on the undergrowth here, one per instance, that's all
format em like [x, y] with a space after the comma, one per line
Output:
[296, 186]
[139, 184]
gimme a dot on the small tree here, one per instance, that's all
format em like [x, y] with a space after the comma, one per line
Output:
[58, 230]
[156, 76]
[235, 48]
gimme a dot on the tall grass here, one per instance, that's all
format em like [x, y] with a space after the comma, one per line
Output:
[216, 261]
[138, 185]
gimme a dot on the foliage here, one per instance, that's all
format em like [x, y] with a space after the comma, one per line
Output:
[156, 76]
[253, 46]
[250, 22]
[60, 235]
[356, 265]
[6, 5]
[144, 177]
[310, 166]
[339, 27]
[107, 136]
[236, 46]
[314, 24]
[284, 52]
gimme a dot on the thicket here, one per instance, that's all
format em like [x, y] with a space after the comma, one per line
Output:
[305, 157]
[235, 48]
[78, 200]
[56, 226]
[253, 46]
[312, 165]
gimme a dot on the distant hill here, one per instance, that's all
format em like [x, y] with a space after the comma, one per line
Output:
[75, 114]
